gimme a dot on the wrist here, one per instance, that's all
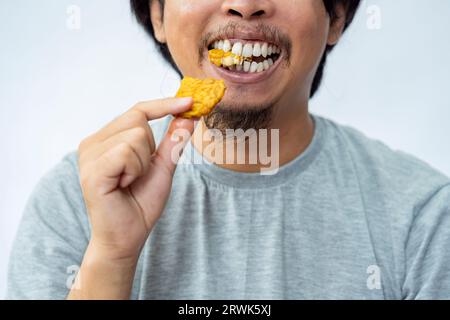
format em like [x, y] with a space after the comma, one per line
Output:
[104, 275]
[99, 251]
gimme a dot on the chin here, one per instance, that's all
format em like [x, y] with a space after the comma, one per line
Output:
[243, 100]
[236, 106]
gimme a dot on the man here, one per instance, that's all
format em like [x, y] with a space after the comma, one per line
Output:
[342, 216]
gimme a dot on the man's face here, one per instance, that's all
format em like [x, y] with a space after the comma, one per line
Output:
[299, 29]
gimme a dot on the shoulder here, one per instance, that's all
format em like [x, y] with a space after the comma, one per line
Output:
[390, 181]
[57, 198]
[52, 235]
[375, 160]
[64, 172]
[60, 184]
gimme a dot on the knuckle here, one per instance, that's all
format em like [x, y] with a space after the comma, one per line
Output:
[84, 144]
[85, 178]
[140, 134]
[135, 116]
[124, 150]
[138, 105]
[84, 182]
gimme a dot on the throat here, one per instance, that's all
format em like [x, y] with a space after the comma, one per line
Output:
[255, 151]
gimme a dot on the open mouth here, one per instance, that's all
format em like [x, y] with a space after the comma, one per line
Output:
[244, 56]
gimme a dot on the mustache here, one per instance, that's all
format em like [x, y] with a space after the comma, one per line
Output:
[268, 32]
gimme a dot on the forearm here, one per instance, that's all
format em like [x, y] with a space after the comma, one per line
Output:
[103, 278]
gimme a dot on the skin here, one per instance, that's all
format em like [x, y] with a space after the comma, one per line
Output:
[126, 179]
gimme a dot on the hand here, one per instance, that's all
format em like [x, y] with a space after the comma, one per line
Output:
[126, 180]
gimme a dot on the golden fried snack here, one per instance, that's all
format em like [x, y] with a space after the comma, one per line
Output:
[206, 94]
[222, 58]
[215, 56]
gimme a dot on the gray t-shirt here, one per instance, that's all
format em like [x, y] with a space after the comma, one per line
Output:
[349, 218]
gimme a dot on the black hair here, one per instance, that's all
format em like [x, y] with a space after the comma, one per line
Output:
[141, 10]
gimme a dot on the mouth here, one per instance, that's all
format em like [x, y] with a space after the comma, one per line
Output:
[244, 60]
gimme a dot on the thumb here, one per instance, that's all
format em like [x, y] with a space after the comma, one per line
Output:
[152, 190]
[172, 145]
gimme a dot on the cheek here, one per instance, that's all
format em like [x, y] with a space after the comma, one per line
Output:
[184, 23]
[309, 38]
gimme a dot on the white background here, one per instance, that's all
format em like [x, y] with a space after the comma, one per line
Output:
[57, 85]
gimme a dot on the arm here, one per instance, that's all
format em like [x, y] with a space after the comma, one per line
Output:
[427, 250]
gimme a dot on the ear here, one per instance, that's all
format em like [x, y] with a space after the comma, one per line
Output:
[337, 25]
[156, 17]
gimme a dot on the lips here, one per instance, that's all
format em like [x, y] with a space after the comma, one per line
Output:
[242, 77]
[251, 55]
[244, 55]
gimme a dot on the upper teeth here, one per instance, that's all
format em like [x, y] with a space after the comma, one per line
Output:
[247, 50]
[264, 49]
[238, 56]
[226, 45]
[237, 49]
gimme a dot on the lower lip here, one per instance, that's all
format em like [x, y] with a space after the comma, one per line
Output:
[242, 77]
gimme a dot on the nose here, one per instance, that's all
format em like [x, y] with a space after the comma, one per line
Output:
[248, 9]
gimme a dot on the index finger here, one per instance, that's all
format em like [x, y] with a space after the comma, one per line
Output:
[140, 114]
[156, 109]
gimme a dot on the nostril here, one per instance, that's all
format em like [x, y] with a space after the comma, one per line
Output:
[235, 13]
[239, 14]
[258, 13]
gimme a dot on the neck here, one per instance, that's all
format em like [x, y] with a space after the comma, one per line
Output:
[288, 136]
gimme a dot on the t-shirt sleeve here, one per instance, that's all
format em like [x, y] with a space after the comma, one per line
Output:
[52, 237]
[428, 250]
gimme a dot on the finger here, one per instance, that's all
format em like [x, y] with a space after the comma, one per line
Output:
[142, 141]
[141, 114]
[156, 109]
[136, 140]
[112, 165]
[173, 143]
[128, 120]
